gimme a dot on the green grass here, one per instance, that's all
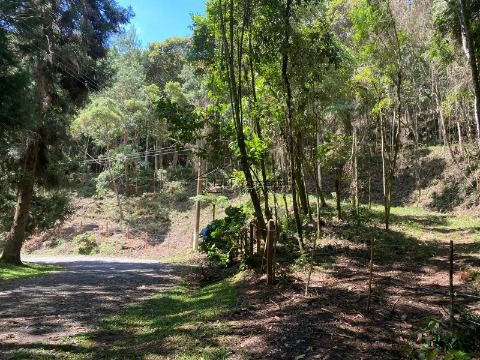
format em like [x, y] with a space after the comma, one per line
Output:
[181, 323]
[10, 272]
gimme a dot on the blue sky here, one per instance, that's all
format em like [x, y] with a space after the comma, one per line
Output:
[157, 20]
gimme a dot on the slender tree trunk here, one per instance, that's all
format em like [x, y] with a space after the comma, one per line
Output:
[146, 143]
[460, 140]
[356, 202]
[384, 172]
[319, 168]
[235, 89]
[258, 129]
[469, 49]
[290, 141]
[338, 197]
[302, 192]
[117, 190]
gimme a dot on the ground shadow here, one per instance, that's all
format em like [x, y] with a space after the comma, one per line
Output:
[67, 303]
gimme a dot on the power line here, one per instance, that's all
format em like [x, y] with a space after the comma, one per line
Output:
[67, 68]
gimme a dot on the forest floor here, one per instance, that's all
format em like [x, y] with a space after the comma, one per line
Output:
[410, 284]
[241, 318]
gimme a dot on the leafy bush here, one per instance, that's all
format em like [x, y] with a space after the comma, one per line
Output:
[86, 244]
[221, 238]
[441, 342]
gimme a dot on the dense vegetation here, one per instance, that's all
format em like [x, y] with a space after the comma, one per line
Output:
[282, 101]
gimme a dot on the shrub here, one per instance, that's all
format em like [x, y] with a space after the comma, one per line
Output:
[86, 244]
[439, 341]
[221, 238]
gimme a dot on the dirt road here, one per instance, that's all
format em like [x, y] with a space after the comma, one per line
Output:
[47, 308]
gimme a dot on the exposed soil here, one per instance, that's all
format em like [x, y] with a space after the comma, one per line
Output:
[280, 322]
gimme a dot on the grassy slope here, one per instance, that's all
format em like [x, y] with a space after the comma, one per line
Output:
[182, 323]
[10, 272]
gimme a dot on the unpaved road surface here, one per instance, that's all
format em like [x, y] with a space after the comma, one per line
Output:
[46, 308]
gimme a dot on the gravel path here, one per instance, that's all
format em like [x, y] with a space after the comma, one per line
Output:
[46, 308]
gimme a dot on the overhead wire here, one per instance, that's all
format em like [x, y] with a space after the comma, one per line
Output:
[75, 73]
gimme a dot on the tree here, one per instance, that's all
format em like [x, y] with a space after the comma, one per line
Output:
[460, 18]
[61, 44]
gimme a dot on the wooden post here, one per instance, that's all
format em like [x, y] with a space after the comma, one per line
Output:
[452, 294]
[107, 230]
[258, 236]
[128, 232]
[213, 211]
[370, 276]
[270, 241]
[250, 243]
[196, 230]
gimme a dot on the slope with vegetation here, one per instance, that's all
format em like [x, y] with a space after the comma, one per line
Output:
[353, 124]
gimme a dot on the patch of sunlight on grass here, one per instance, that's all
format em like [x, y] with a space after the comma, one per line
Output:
[182, 323]
[10, 272]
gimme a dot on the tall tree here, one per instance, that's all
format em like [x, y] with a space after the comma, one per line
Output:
[61, 43]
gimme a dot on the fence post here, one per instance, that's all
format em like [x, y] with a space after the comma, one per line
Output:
[452, 295]
[107, 230]
[250, 243]
[370, 276]
[258, 236]
[270, 242]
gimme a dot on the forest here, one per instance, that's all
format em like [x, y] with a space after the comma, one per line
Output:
[298, 179]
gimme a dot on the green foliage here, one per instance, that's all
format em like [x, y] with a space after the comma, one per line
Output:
[221, 238]
[86, 243]
[184, 322]
[335, 151]
[439, 341]
[11, 272]
[211, 199]
[256, 147]
[183, 122]
[47, 210]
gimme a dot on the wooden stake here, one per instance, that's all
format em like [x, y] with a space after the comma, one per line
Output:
[269, 246]
[128, 232]
[317, 238]
[452, 294]
[196, 230]
[251, 240]
[107, 230]
[258, 236]
[371, 276]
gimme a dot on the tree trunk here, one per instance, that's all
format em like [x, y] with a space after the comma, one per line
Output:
[13, 246]
[469, 49]
[338, 197]
[288, 90]
[258, 129]
[235, 90]
[16, 237]
[384, 172]
[323, 203]
[117, 191]
[302, 192]
[356, 201]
